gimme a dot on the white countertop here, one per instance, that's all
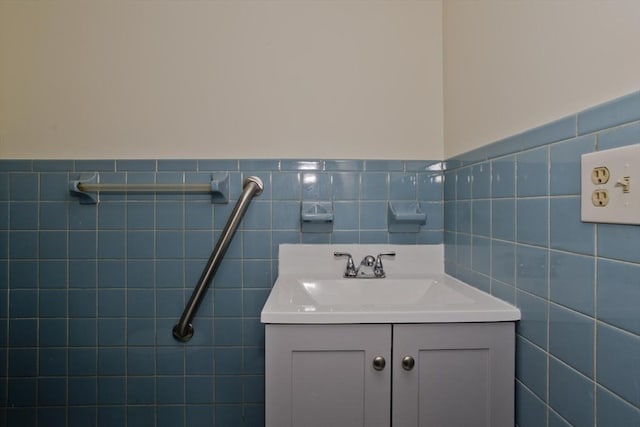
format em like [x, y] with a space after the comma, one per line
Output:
[310, 289]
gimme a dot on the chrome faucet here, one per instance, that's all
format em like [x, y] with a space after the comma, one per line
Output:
[369, 261]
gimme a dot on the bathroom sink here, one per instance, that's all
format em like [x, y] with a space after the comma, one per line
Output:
[311, 289]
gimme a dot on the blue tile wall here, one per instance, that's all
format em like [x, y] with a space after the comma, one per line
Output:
[577, 284]
[90, 293]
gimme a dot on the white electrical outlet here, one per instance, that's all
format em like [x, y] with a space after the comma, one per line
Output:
[610, 182]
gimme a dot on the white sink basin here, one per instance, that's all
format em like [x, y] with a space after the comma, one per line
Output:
[310, 289]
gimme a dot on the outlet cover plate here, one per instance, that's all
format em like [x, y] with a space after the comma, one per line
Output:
[622, 208]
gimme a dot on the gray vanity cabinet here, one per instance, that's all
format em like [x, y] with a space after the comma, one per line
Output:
[463, 375]
[440, 375]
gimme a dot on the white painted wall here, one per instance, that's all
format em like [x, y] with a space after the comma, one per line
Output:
[221, 79]
[513, 65]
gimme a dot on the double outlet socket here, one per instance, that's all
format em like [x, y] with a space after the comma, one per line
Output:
[607, 191]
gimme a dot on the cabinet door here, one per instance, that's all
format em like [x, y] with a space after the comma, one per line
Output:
[323, 375]
[463, 375]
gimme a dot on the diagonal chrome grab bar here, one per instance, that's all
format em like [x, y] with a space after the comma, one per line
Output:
[183, 330]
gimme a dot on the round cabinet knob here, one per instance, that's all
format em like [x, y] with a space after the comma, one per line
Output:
[379, 363]
[408, 363]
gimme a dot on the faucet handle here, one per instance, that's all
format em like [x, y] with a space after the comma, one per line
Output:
[350, 271]
[378, 270]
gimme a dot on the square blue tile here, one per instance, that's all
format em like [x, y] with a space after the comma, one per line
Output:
[503, 261]
[430, 186]
[111, 302]
[613, 411]
[52, 362]
[572, 281]
[141, 331]
[82, 245]
[53, 216]
[82, 217]
[567, 232]
[503, 177]
[141, 361]
[565, 164]
[464, 250]
[449, 186]
[258, 216]
[346, 185]
[140, 244]
[571, 338]
[52, 245]
[53, 333]
[83, 391]
[481, 180]
[198, 244]
[54, 187]
[403, 186]
[198, 215]
[111, 244]
[227, 303]
[618, 294]
[373, 215]
[52, 303]
[23, 303]
[450, 215]
[374, 186]
[111, 331]
[503, 219]
[22, 362]
[111, 390]
[112, 361]
[23, 244]
[140, 215]
[140, 303]
[52, 391]
[200, 390]
[111, 273]
[435, 216]
[534, 322]
[140, 273]
[256, 274]
[82, 302]
[256, 244]
[170, 361]
[170, 391]
[571, 394]
[23, 186]
[532, 267]
[286, 186]
[531, 367]
[82, 332]
[83, 361]
[463, 183]
[169, 215]
[533, 172]
[481, 217]
[23, 215]
[23, 274]
[533, 221]
[140, 391]
[481, 255]
[169, 302]
[619, 242]
[346, 215]
[228, 361]
[463, 216]
[200, 360]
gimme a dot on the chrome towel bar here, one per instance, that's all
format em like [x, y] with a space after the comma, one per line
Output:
[183, 330]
